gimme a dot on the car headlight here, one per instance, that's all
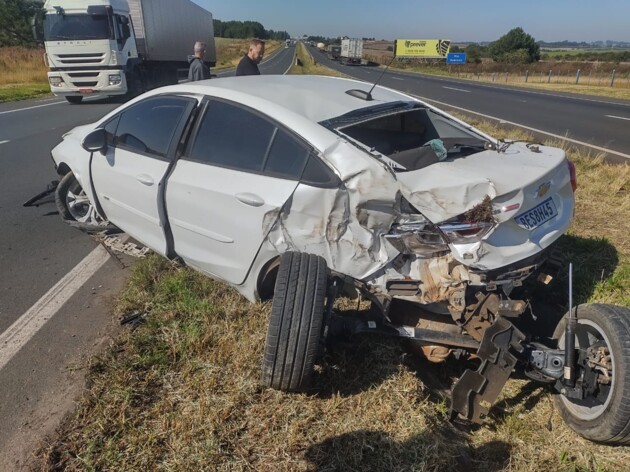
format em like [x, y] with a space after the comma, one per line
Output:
[115, 79]
[55, 81]
[466, 232]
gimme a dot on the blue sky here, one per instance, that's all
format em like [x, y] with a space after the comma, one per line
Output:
[457, 20]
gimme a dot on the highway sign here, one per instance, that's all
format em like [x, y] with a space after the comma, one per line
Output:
[456, 58]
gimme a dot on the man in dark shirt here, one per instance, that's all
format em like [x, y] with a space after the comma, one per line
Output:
[250, 61]
[198, 69]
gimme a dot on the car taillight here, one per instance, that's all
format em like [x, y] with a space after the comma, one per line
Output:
[464, 233]
[573, 175]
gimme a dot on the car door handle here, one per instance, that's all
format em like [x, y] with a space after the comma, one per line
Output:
[250, 199]
[145, 179]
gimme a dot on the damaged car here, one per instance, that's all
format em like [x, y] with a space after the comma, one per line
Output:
[303, 189]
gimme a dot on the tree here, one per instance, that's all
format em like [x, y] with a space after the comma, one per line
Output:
[505, 48]
[474, 53]
[15, 22]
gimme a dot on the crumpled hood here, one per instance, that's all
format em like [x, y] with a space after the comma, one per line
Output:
[447, 189]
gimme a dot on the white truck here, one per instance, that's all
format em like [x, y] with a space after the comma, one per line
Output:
[115, 47]
[351, 51]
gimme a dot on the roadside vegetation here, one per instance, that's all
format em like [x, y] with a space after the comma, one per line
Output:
[306, 65]
[23, 73]
[182, 391]
[230, 51]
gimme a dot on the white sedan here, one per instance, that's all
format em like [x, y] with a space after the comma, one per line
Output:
[302, 188]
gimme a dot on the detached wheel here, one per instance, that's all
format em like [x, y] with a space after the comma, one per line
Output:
[603, 334]
[75, 100]
[75, 207]
[295, 326]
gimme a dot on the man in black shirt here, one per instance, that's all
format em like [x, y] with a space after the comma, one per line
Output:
[198, 69]
[250, 61]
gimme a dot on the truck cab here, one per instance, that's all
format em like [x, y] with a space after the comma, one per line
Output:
[89, 45]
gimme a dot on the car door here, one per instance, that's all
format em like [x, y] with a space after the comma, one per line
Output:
[227, 190]
[128, 179]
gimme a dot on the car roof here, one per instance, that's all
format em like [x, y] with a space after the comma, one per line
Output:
[316, 98]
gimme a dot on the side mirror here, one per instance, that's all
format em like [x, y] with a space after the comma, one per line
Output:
[95, 141]
[37, 25]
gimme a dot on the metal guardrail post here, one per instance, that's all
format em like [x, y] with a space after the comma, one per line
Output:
[577, 77]
[549, 77]
[612, 79]
[526, 75]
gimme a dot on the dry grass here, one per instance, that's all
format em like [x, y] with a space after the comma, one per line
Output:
[308, 66]
[182, 392]
[22, 73]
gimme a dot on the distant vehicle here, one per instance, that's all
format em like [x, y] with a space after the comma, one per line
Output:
[364, 191]
[321, 47]
[334, 51]
[351, 51]
[287, 43]
[112, 47]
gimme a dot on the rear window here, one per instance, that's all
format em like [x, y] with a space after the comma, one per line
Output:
[414, 138]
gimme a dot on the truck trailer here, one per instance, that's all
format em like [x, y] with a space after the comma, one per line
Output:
[351, 51]
[118, 47]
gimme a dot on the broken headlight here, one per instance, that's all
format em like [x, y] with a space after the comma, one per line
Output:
[466, 232]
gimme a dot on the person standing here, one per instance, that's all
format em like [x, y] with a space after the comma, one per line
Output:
[250, 61]
[198, 69]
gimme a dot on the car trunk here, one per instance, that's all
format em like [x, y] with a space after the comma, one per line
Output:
[530, 193]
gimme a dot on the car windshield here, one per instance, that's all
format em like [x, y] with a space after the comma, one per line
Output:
[76, 27]
[409, 134]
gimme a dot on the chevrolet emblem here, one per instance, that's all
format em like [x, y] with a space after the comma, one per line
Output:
[543, 189]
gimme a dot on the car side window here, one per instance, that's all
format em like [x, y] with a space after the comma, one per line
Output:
[148, 126]
[110, 130]
[231, 136]
[287, 156]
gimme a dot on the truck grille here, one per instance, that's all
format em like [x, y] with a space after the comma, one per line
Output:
[77, 76]
[84, 58]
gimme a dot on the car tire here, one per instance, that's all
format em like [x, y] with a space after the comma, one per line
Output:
[75, 208]
[604, 416]
[74, 100]
[295, 326]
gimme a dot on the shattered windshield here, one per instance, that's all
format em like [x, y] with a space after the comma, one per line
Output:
[76, 27]
[410, 135]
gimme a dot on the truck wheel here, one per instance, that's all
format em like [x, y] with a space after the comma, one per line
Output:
[603, 416]
[75, 208]
[74, 99]
[295, 326]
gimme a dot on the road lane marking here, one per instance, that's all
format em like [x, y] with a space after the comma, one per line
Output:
[5, 141]
[535, 130]
[457, 89]
[30, 108]
[397, 78]
[27, 325]
[618, 117]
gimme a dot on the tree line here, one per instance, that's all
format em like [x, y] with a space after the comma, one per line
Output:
[15, 22]
[246, 29]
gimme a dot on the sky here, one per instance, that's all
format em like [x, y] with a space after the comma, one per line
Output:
[457, 20]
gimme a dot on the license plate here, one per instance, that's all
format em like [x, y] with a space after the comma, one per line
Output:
[86, 91]
[538, 215]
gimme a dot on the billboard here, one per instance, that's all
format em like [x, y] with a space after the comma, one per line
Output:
[425, 48]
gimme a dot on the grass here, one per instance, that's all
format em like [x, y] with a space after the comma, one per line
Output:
[182, 392]
[308, 66]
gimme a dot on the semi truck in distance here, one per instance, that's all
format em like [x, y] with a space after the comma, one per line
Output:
[351, 51]
[118, 47]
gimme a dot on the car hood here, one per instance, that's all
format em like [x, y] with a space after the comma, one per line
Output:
[449, 188]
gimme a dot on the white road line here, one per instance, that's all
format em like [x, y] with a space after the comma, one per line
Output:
[4, 142]
[618, 117]
[535, 130]
[458, 89]
[397, 78]
[30, 108]
[27, 325]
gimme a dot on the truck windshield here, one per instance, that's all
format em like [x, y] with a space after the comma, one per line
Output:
[75, 27]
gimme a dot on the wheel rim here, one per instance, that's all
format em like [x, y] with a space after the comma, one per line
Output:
[588, 333]
[80, 206]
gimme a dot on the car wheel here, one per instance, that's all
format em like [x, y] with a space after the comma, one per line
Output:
[75, 207]
[604, 415]
[295, 327]
[75, 100]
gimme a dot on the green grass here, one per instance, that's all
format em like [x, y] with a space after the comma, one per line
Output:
[10, 93]
[182, 392]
